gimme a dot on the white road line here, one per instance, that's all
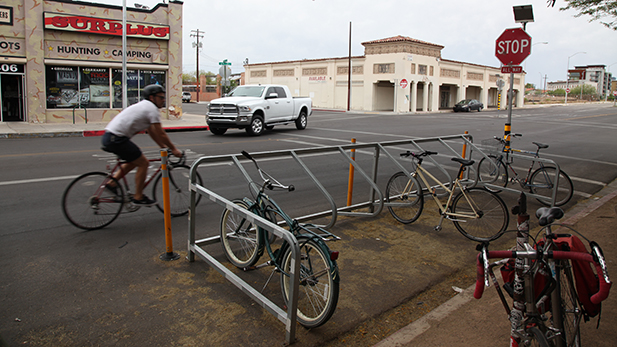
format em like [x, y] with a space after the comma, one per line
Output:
[37, 180]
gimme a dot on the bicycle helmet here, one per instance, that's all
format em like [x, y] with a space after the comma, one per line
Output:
[152, 89]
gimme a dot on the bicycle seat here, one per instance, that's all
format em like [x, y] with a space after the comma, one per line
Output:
[540, 145]
[547, 215]
[463, 162]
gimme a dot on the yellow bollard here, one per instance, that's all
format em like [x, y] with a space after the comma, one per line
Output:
[464, 154]
[351, 173]
[169, 255]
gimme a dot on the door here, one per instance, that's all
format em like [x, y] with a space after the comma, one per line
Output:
[11, 94]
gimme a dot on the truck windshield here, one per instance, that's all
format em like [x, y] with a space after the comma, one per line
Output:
[247, 91]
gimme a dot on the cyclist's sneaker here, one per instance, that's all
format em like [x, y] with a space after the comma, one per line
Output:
[113, 189]
[144, 201]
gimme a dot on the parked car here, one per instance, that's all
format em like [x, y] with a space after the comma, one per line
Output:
[468, 105]
[186, 97]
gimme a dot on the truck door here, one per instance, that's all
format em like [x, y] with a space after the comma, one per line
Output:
[286, 104]
[276, 105]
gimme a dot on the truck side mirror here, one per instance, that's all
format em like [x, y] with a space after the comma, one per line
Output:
[272, 96]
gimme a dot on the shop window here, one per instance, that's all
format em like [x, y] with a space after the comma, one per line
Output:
[94, 87]
[62, 84]
[132, 87]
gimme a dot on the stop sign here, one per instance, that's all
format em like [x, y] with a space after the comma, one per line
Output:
[513, 46]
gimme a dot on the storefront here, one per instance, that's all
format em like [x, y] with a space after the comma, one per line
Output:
[61, 61]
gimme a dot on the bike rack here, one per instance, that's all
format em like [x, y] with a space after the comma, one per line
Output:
[85, 113]
[375, 205]
[524, 157]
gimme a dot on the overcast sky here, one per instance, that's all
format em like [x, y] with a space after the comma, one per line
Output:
[280, 30]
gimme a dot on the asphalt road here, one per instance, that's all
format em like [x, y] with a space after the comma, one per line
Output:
[36, 171]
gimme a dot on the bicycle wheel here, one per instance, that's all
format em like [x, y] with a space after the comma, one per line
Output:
[405, 198]
[179, 192]
[492, 219]
[88, 205]
[567, 313]
[536, 338]
[542, 182]
[492, 171]
[240, 239]
[319, 282]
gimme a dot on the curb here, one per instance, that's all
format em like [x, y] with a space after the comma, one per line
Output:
[90, 133]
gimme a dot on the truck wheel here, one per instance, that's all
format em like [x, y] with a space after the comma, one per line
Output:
[301, 120]
[256, 127]
[218, 131]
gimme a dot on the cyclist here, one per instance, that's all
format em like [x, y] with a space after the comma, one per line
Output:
[118, 133]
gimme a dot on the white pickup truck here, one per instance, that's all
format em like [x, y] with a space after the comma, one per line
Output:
[257, 108]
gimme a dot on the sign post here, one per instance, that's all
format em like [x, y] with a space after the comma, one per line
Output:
[225, 72]
[511, 48]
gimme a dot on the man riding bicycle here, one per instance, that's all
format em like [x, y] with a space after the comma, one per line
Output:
[118, 133]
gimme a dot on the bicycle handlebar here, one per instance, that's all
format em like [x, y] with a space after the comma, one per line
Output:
[269, 181]
[418, 155]
[597, 259]
[181, 160]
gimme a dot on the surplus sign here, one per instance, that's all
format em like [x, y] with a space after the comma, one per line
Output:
[104, 26]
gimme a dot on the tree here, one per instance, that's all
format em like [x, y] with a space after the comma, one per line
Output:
[189, 77]
[587, 90]
[557, 92]
[603, 10]
[530, 86]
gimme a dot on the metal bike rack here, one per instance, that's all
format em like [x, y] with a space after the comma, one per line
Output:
[85, 113]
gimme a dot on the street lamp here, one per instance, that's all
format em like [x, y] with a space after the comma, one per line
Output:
[567, 76]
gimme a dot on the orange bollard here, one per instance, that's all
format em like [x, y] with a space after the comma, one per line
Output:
[351, 174]
[169, 255]
[464, 154]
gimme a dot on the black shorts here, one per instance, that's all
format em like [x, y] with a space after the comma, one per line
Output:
[121, 146]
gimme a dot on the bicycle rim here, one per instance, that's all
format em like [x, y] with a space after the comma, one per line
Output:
[542, 181]
[406, 198]
[319, 283]
[240, 239]
[568, 308]
[88, 205]
[493, 216]
[494, 172]
[179, 192]
[536, 338]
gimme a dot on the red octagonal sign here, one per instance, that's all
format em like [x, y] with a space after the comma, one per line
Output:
[513, 46]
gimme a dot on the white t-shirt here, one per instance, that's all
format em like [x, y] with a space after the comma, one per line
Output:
[134, 119]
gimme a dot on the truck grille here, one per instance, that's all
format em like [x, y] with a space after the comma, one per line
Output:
[228, 109]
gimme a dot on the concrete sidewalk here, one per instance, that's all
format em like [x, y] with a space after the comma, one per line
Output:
[465, 321]
[188, 122]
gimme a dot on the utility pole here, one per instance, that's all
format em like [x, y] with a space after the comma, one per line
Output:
[198, 34]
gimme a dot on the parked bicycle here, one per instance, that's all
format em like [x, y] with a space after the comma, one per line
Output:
[89, 205]
[477, 213]
[243, 244]
[540, 181]
[550, 280]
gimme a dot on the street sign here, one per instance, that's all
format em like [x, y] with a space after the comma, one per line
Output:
[511, 69]
[225, 72]
[403, 83]
[615, 93]
[500, 83]
[513, 46]
[224, 62]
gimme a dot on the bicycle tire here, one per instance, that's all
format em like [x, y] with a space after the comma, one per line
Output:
[318, 290]
[88, 205]
[410, 202]
[240, 239]
[488, 173]
[179, 192]
[566, 310]
[493, 220]
[537, 338]
[541, 183]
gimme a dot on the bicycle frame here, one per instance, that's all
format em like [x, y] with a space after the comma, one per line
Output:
[118, 166]
[420, 171]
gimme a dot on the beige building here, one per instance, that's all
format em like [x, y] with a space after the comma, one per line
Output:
[398, 74]
[61, 60]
